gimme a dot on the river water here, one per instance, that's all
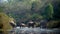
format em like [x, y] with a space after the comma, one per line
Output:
[26, 30]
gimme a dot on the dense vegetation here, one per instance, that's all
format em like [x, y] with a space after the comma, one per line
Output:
[24, 10]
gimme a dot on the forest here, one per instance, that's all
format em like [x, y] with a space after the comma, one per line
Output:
[36, 10]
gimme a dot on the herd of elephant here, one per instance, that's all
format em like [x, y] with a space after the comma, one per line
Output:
[31, 24]
[27, 25]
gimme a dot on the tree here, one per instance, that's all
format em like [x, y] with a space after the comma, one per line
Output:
[49, 11]
[36, 17]
[56, 5]
[1, 9]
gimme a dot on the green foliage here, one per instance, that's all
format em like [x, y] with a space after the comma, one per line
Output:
[56, 5]
[1, 9]
[56, 22]
[25, 6]
[49, 11]
[36, 16]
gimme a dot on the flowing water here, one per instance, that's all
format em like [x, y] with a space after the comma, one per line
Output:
[26, 30]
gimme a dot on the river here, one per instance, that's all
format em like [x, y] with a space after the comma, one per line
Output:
[26, 30]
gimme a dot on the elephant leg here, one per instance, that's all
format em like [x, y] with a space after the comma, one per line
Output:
[32, 26]
[28, 26]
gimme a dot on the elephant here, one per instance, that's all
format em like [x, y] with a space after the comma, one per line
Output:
[30, 24]
[22, 25]
[13, 24]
